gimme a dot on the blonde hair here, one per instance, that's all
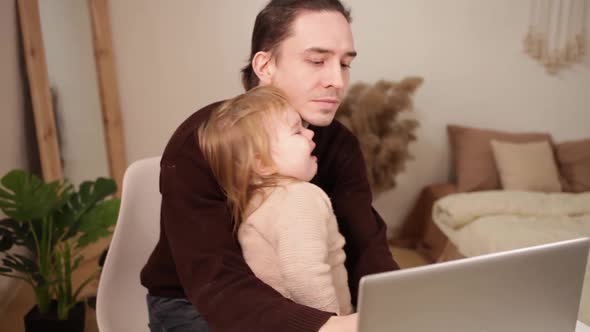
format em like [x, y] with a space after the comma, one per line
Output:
[234, 139]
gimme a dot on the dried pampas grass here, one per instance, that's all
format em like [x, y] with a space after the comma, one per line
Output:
[372, 112]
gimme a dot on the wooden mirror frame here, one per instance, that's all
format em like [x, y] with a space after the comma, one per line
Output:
[36, 64]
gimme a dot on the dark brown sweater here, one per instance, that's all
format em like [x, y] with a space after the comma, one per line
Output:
[198, 257]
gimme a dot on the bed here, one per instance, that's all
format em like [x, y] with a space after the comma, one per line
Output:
[509, 190]
[491, 221]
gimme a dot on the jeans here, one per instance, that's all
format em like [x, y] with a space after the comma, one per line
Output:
[174, 315]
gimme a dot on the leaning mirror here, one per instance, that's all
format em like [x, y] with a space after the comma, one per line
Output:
[70, 69]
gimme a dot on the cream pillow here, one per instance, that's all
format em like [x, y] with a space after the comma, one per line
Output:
[526, 166]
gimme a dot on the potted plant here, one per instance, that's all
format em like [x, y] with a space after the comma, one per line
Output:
[53, 221]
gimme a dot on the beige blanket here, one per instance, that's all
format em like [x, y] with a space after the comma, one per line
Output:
[485, 222]
[460, 209]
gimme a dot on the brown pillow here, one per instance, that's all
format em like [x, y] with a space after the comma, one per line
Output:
[473, 158]
[526, 166]
[574, 163]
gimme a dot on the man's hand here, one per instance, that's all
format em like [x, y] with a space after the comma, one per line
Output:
[346, 323]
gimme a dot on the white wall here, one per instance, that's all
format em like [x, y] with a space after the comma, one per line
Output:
[12, 133]
[476, 73]
[174, 57]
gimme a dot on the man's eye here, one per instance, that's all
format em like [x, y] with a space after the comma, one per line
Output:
[317, 62]
[345, 65]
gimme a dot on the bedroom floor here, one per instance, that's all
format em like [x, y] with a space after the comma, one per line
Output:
[11, 318]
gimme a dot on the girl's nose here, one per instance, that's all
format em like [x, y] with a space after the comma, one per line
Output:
[308, 133]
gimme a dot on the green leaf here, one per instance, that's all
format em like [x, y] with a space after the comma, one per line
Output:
[97, 222]
[13, 225]
[26, 197]
[93, 192]
[5, 270]
[30, 265]
[103, 188]
[11, 262]
[7, 205]
[7, 240]
[91, 237]
[15, 233]
[89, 194]
[9, 234]
[5, 194]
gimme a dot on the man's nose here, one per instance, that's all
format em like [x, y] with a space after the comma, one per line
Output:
[334, 76]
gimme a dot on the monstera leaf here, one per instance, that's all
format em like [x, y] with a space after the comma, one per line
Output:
[25, 197]
[14, 233]
[20, 263]
[86, 213]
[97, 223]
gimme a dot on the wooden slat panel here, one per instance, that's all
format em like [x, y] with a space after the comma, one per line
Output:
[107, 82]
[34, 53]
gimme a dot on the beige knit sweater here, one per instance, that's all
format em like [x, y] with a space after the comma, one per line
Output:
[292, 243]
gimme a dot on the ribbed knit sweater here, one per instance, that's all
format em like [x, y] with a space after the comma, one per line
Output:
[292, 243]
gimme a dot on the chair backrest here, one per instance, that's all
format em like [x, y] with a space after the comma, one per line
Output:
[121, 303]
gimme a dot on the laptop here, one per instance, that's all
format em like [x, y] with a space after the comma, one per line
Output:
[535, 289]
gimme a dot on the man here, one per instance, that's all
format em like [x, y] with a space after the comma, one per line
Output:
[304, 47]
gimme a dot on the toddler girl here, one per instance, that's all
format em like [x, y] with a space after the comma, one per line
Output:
[261, 155]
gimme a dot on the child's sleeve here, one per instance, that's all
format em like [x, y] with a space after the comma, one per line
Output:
[301, 235]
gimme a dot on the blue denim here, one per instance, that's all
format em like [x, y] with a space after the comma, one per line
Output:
[174, 315]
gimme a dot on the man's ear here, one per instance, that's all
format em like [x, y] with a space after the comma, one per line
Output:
[263, 65]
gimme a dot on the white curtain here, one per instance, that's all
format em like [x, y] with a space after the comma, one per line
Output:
[556, 35]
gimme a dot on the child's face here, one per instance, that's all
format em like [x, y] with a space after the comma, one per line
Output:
[291, 146]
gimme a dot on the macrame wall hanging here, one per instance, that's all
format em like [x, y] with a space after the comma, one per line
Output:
[556, 35]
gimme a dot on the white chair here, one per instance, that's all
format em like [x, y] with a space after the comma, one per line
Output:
[121, 304]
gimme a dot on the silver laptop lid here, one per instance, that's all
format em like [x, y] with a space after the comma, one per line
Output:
[531, 289]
